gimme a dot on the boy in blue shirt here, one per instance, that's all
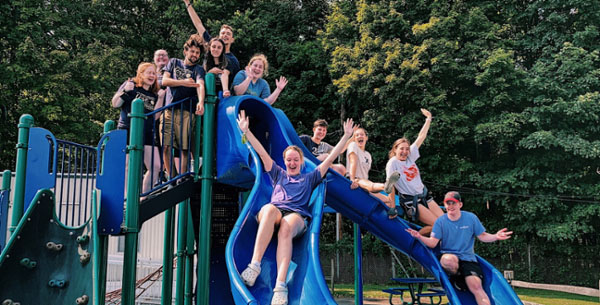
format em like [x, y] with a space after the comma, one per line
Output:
[457, 231]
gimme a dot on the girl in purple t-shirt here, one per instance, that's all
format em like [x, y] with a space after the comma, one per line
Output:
[288, 208]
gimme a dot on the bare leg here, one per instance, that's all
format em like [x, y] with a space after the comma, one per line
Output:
[370, 186]
[183, 166]
[152, 163]
[474, 284]
[435, 208]
[290, 226]
[339, 168]
[268, 217]
[425, 215]
[168, 161]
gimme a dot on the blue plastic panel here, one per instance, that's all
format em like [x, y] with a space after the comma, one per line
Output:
[41, 163]
[111, 181]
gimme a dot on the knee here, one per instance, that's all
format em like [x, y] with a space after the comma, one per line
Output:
[285, 231]
[269, 211]
[340, 169]
[450, 263]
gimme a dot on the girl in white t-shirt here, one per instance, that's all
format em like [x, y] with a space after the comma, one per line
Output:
[358, 163]
[412, 191]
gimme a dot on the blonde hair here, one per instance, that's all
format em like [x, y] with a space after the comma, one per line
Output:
[392, 152]
[297, 149]
[264, 60]
[139, 77]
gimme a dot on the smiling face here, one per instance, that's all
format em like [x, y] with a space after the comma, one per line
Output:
[149, 76]
[402, 151]
[453, 206]
[191, 55]
[161, 58]
[360, 136]
[293, 162]
[258, 68]
[216, 48]
[319, 133]
[226, 35]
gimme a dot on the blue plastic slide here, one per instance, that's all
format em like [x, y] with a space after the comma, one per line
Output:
[239, 165]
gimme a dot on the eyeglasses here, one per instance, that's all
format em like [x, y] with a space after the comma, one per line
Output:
[451, 201]
[161, 55]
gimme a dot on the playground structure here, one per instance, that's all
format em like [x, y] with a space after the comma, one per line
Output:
[58, 239]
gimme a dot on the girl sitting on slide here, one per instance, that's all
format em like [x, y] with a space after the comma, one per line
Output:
[414, 197]
[358, 163]
[288, 209]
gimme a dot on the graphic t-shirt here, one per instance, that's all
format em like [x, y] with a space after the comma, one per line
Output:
[179, 71]
[458, 237]
[364, 161]
[316, 149]
[292, 193]
[147, 97]
[410, 179]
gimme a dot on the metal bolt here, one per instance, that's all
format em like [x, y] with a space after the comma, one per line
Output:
[85, 257]
[82, 300]
[82, 239]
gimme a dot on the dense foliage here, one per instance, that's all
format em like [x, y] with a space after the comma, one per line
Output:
[513, 87]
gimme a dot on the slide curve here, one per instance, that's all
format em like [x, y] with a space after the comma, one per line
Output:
[239, 165]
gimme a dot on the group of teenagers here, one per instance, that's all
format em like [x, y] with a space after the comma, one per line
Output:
[181, 81]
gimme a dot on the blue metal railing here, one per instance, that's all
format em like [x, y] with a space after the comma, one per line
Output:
[176, 164]
[75, 180]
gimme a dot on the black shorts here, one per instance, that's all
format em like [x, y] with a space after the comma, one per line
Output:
[288, 212]
[467, 268]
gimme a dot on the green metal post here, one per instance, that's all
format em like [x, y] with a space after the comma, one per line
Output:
[100, 242]
[208, 149]
[167, 280]
[25, 123]
[196, 151]
[189, 261]
[6, 175]
[358, 288]
[134, 171]
[181, 244]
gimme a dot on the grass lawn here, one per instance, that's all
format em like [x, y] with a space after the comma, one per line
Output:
[544, 297]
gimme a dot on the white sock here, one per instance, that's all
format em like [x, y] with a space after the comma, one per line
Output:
[255, 264]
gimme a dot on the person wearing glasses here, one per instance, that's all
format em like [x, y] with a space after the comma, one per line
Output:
[414, 198]
[457, 231]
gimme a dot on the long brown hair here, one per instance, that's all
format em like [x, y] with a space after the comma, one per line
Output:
[392, 152]
[139, 77]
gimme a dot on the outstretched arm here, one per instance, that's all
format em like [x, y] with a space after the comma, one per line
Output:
[280, 83]
[195, 19]
[500, 235]
[349, 128]
[244, 124]
[425, 128]
[430, 242]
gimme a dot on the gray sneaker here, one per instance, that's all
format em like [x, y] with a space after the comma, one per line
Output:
[389, 183]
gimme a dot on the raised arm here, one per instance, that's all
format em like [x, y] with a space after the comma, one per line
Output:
[242, 86]
[349, 128]
[244, 124]
[195, 19]
[425, 128]
[280, 83]
[500, 235]
[117, 100]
